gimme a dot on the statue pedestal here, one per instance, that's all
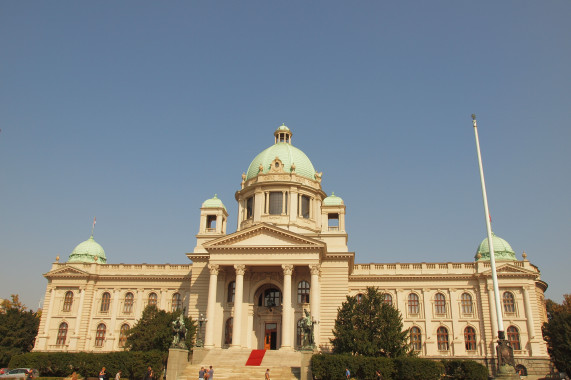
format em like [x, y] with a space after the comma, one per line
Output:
[177, 362]
[305, 369]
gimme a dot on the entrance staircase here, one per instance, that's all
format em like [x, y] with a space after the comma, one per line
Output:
[231, 364]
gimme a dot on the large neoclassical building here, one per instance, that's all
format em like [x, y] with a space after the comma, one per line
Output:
[290, 254]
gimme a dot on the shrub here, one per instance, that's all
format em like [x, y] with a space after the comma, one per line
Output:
[418, 369]
[61, 364]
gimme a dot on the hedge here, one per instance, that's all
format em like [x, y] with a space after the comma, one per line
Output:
[332, 367]
[133, 364]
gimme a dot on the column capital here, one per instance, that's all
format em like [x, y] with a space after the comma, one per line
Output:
[214, 268]
[240, 269]
[288, 269]
[315, 268]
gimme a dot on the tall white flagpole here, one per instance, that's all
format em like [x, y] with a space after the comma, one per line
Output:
[501, 334]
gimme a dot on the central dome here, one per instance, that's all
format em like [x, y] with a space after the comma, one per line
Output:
[288, 155]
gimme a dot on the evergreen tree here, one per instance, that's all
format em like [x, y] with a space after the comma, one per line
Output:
[370, 327]
[154, 330]
[557, 333]
[18, 329]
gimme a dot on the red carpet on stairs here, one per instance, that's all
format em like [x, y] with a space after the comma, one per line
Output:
[256, 357]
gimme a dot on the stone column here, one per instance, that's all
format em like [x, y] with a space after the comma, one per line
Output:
[49, 313]
[75, 338]
[314, 300]
[457, 333]
[209, 334]
[238, 300]
[287, 309]
[218, 224]
[426, 305]
[530, 324]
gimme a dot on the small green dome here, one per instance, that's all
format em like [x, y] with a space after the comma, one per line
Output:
[288, 155]
[87, 251]
[213, 203]
[502, 249]
[333, 200]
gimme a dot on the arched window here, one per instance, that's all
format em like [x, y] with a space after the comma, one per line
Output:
[303, 292]
[231, 291]
[68, 301]
[270, 297]
[388, 299]
[413, 304]
[440, 303]
[509, 302]
[359, 297]
[61, 334]
[228, 331]
[470, 338]
[105, 302]
[299, 335]
[128, 304]
[152, 299]
[100, 335]
[305, 207]
[176, 302]
[416, 338]
[513, 338]
[466, 300]
[442, 338]
[123, 332]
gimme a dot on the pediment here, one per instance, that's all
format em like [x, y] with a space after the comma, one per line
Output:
[509, 269]
[264, 235]
[66, 271]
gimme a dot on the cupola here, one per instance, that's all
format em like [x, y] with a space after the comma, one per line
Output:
[502, 250]
[88, 252]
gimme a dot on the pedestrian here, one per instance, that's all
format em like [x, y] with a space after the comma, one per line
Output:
[268, 374]
[347, 373]
[379, 375]
[149, 375]
[30, 374]
[210, 373]
[201, 373]
[74, 376]
[118, 375]
[102, 374]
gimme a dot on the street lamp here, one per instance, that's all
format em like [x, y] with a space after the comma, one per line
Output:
[201, 320]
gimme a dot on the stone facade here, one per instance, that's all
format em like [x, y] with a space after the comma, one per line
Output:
[288, 255]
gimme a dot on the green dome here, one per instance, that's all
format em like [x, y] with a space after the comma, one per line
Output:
[213, 203]
[502, 249]
[333, 200]
[288, 155]
[87, 251]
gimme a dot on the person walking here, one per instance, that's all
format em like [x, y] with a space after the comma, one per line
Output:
[118, 375]
[379, 375]
[102, 374]
[268, 374]
[210, 373]
[201, 373]
[347, 373]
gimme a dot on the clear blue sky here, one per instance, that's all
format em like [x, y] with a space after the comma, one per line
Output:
[138, 111]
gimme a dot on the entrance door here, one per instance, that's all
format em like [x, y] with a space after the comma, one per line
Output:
[271, 336]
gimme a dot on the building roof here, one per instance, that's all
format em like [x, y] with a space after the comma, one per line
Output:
[88, 251]
[502, 249]
[333, 200]
[213, 202]
[288, 155]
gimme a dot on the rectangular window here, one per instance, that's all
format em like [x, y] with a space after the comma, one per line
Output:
[305, 206]
[250, 208]
[276, 201]
[333, 222]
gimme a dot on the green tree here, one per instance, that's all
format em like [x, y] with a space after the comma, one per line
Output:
[370, 327]
[557, 333]
[18, 329]
[154, 330]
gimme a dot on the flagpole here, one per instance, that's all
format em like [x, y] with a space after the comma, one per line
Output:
[504, 351]
[501, 334]
[93, 227]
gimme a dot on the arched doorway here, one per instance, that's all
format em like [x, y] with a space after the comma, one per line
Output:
[268, 316]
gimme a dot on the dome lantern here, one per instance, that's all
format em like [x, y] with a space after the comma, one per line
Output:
[283, 134]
